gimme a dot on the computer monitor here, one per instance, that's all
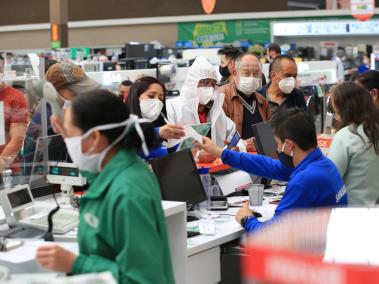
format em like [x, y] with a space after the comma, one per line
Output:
[109, 66]
[140, 50]
[264, 139]
[178, 178]
[141, 63]
[16, 199]
[126, 63]
[265, 143]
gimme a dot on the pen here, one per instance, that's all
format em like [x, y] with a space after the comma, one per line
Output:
[257, 214]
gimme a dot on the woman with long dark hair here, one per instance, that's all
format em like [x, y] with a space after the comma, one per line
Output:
[122, 226]
[355, 147]
[370, 81]
[147, 100]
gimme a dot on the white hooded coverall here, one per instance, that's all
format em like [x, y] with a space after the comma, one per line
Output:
[184, 109]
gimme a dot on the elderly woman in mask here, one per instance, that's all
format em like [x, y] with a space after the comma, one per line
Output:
[200, 103]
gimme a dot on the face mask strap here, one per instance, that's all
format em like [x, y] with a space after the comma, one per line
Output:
[135, 121]
[284, 145]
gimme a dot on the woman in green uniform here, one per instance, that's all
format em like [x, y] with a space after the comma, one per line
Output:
[122, 226]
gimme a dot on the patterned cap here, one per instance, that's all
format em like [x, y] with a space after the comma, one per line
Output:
[66, 75]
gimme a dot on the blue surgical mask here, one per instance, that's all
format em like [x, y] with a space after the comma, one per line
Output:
[285, 159]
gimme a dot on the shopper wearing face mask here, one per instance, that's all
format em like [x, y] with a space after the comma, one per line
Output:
[273, 51]
[355, 146]
[228, 54]
[146, 100]
[69, 80]
[121, 225]
[281, 91]
[200, 102]
[313, 180]
[242, 102]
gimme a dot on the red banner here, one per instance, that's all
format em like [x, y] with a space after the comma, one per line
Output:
[291, 267]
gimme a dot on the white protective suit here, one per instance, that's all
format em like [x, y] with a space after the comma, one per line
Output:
[184, 109]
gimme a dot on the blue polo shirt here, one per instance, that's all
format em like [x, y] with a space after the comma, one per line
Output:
[315, 182]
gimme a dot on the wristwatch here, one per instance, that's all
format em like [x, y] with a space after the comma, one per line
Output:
[244, 219]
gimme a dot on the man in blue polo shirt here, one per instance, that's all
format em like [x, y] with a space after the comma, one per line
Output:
[313, 180]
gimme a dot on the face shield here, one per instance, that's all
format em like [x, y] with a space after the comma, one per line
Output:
[249, 77]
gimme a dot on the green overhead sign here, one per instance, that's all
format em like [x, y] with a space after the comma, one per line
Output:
[205, 33]
[256, 31]
[55, 44]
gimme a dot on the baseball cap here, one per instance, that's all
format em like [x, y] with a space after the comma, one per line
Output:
[65, 75]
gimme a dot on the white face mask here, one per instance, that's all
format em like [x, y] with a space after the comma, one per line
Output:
[205, 94]
[151, 108]
[248, 85]
[92, 163]
[66, 103]
[287, 85]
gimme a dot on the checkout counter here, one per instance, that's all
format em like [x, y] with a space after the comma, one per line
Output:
[197, 259]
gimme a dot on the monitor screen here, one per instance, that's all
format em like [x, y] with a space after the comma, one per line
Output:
[126, 63]
[264, 139]
[140, 50]
[63, 171]
[141, 64]
[19, 198]
[178, 178]
[109, 66]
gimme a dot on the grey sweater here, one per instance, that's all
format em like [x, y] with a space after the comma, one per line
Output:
[358, 165]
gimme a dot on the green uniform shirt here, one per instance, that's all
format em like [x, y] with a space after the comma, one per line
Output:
[122, 227]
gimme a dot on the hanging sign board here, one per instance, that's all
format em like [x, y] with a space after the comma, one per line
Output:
[362, 9]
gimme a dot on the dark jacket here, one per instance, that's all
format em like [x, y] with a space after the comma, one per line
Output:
[295, 99]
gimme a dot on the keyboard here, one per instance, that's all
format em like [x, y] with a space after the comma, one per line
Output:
[63, 221]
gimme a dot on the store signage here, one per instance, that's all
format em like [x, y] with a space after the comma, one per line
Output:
[208, 33]
[362, 9]
[55, 44]
[325, 28]
[208, 5]
[54, 32]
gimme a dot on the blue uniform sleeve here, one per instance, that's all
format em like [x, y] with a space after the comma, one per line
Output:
[154, 153]
[257, 165]
[295, 196]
